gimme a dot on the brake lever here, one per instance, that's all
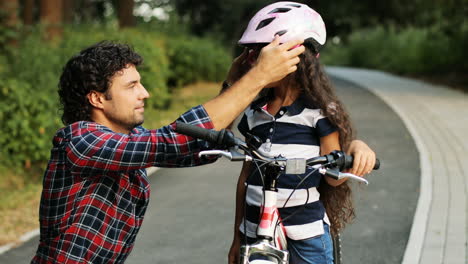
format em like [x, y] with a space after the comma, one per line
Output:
[231, 155]
[337, 175]
[352, 176]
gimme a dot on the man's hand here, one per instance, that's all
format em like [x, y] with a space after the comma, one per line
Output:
[276, 61]
[364, 158]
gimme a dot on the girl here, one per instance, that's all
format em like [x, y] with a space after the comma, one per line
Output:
[297, 117]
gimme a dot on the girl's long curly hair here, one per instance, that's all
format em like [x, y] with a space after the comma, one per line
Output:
[315, 85]
[319, 92]
[91, 70]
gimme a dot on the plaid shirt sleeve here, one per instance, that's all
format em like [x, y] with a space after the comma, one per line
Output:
[94, 147]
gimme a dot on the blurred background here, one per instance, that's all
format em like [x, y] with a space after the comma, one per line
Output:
[187, 46]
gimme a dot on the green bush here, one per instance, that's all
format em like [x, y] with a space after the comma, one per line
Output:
[194, 59]
[410, 50]
[28, 119]
[29, 102]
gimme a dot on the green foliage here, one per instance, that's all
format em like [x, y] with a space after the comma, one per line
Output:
[411, 50]
[8, 32]
[28, 118]
[29, 104]
[194, 59]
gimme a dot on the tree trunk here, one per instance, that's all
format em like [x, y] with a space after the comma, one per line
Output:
[28, 12]
[68, 11]
[51, 15]
[9, 13]
[125, 13]
[9, 19]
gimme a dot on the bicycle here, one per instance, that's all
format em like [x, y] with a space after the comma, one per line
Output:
[271, 238]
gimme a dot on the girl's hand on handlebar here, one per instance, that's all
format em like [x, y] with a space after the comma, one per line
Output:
[364, 158]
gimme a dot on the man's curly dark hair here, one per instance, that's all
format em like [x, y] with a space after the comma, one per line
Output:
[91, 70]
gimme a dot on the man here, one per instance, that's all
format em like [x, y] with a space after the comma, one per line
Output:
[95, 189]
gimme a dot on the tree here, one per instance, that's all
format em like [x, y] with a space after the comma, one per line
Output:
[68, 11]
[28, 12]
[125, 13]
[51, 15]
[8, 21]
[9, 12]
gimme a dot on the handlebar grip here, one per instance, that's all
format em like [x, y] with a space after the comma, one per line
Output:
[377, 164]
[197, 132]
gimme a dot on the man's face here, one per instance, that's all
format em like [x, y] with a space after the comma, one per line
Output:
[124, 104]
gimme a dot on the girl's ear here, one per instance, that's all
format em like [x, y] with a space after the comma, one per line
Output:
[96, 99]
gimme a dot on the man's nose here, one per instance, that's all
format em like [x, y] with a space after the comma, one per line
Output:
[143, 92]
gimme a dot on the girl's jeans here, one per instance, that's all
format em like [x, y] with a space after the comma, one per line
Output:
[315, 250]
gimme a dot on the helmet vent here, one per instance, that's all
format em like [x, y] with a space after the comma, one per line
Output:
[265, 23]
[281, 32]
[293, 5]
[279, 10]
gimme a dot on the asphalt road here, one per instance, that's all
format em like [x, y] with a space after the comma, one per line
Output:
[191, 212]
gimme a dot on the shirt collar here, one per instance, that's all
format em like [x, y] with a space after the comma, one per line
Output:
[260, 102]
[294, 109]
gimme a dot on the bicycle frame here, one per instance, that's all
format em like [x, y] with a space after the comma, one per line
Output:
[268, 244]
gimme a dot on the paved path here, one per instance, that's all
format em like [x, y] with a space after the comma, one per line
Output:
[437, 119]
[384, 208]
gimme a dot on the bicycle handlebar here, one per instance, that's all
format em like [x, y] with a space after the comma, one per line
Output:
[221, 138]
[338, 159]
[227, 139]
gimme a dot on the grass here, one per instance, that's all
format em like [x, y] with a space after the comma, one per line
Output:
[19, 204]
[20, 192]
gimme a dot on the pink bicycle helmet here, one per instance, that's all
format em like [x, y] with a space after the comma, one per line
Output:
[289, 20]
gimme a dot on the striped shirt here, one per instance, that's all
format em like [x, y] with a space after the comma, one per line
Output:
[294, 132]
[95, 189]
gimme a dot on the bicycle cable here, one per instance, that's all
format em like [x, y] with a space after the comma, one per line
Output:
[258, 168]
[279, 221]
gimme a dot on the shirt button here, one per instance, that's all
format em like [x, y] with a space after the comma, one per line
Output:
[271, 130]
[281, 112]
[268, 140]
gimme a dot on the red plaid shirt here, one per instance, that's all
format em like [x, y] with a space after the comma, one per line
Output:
[95, 189]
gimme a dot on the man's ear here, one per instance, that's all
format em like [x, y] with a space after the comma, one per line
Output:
[96, 99]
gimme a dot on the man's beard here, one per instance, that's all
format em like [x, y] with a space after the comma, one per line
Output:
[128, 124]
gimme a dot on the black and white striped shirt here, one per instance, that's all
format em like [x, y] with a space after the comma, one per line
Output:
[294, 132]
